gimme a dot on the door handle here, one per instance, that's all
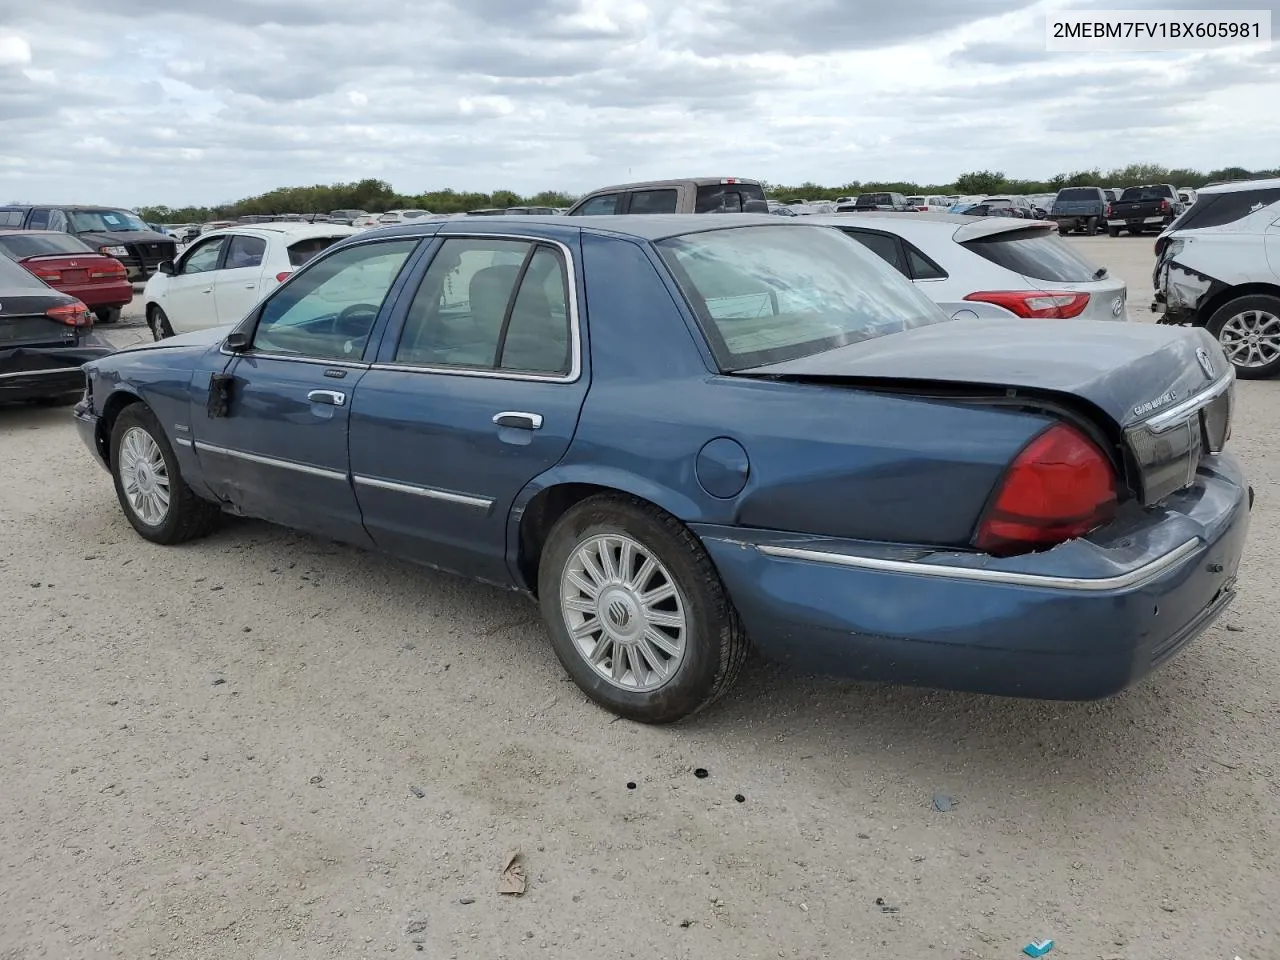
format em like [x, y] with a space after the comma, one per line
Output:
[518, 419]
[207, 290]
[333, 398]
[250, 286]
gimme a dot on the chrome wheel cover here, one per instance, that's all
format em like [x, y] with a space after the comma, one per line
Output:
[624, 612]
[1251, 338]
[144, 476]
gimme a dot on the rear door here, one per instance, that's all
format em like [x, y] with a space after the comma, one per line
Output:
[603, 205]
[237, 286]
[476, 390]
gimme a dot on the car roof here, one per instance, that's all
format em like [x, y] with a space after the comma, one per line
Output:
[287, 228]
[33, 233]
[651, 227]
[1237, 186]
[679, 181]
[957, 226]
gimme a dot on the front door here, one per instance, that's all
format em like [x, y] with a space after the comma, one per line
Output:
[188, 295]
[477, 391]
[280, 452]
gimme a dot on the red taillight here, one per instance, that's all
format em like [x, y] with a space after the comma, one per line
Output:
[111, 270]
[281, 277]
[923, 209]
[1164, 206]
[1035, 304]
[1059, 487]
[72, 314]
[1107, 213]
[47, 274]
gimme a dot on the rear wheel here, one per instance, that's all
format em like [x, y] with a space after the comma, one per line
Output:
[107, 314]
[1248, 328]
[158, 322]
[154, 497]
[1091, 227]
[636, 611]
[1113, 231]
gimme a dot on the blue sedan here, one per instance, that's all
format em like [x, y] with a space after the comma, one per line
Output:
[687, 435]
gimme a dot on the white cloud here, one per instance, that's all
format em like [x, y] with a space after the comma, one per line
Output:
[203, 107]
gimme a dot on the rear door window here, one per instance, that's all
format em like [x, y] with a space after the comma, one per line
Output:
[602, 205]
[1035, 254]
[40, 219]
[304, 250]
[653, 201]
[726, 197]
[883, 246]
[1219, 209]
[245, 251]
[922, 268]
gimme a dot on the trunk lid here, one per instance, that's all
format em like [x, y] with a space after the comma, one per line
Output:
[59, 270]
[23, 323]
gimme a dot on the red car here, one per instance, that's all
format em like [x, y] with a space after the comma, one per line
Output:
[73, 267]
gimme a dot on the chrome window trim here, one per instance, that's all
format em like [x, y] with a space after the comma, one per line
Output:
[431, 493]
[250, 355]
[1167, 419]
[306, 468]
[575, 327]
[1132, 578]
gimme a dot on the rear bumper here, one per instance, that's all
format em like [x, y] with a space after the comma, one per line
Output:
[29, 372]
[96, 295]
[1079, 622]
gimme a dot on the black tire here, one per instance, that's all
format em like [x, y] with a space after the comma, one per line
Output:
[1092, 229]
[715, 643]
[1257, 301]
[1062, 230]
[187, 516]
[106, 315]
[1135, 231]
[1113, 231]
[158, 321]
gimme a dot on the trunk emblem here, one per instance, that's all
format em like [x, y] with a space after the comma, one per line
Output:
[1206, 363]
[1143, 409]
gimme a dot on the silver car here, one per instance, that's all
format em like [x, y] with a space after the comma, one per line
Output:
[989, 266]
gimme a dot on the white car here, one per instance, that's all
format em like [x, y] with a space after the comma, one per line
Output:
[1218, 267]
[401, 216]
[224, 273]
[930, 204]
[989, 266]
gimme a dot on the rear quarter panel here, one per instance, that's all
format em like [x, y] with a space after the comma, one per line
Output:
[820, 459]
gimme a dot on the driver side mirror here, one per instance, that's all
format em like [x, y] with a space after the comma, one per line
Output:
[166, 267]
[237, 342]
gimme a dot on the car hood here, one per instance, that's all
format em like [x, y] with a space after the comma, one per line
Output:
[199, 339]
[1130, 371]
[112, 238]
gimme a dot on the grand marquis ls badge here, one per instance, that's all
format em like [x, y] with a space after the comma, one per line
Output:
[1206, 362]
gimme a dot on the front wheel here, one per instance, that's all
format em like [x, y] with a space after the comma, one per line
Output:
[148, 480]
[636, 611]
[1248, 329]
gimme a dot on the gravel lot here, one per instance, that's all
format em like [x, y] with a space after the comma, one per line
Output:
[215, 751]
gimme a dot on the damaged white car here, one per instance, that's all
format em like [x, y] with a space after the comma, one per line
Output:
[1218, 266]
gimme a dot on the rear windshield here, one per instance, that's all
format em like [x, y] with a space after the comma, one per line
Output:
[916, 201]
[105, 221]
[40, 244]
[1219, 209]
[726, 197]
[304, 250]
[773, 293]
[874, 199]
[1141, 194]
[1035, 254]
[1079, 193]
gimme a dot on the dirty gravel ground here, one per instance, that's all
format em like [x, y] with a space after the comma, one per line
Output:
[210, 751]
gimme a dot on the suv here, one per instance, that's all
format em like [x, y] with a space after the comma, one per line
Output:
[701, 195]
[871, 202]
[1218, 267]
[110, 231]
[1080, 208]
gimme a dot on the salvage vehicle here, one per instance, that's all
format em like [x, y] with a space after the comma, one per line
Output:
[1080, 208]
[990, 266]
[219, 278]
[1218, 267]
[697, 195]
[70, 265]
[110, 231]
[45, 337]
[683, 435]
[1139, 209]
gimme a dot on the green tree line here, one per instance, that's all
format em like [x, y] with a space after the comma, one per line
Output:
[378, 196]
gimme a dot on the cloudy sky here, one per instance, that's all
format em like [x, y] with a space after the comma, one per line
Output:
[189, 101]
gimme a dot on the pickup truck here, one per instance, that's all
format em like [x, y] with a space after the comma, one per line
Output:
[110, 231]
[877, 202]
[1079, 208]
[1149, 207]
[697, 195]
